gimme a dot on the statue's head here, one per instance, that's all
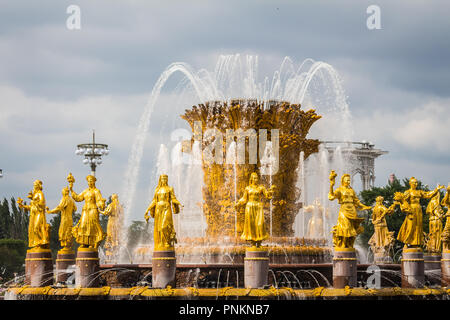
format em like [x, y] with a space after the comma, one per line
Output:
[345, 180]
[317, 201]
[91, 180]
[163, 180]
[379, 199]
[37, 185]
[413, 183]
[65, 191]
[115, 197]
[254, 179]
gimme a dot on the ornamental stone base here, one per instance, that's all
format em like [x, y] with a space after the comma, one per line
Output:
[413, 268]
[163, 269]
[87, 268]
[39, 268]
[64, 261]
[445, 268]
[344, 268]
[256, 268]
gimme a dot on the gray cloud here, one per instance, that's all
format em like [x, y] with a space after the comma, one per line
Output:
[57, 85]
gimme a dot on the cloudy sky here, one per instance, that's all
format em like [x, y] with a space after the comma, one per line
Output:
[57, 84]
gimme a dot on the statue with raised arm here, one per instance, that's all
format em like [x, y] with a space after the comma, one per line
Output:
[254, 229]
[88, 232]
[164, 203]
[446, 233]
[114, 212]
[411, 231]
[66, 207]
[348, 223]
[316, 224]
[382, 239]
[38, 228]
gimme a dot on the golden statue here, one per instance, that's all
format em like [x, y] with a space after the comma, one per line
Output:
[445, 238]
[161, 210]
[315, 224]
[348, 223]
[382, 239]
[411, 231]
[114, 212]
[38, 228]
[434, 209]
[254, 224]
[67, 207]
[88, 232]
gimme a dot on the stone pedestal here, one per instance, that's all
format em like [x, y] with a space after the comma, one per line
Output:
[256, 268]
[164, 266]
[432, 261]
[64, 261]
[87, 268]
[445, 268]
[382, 258]
[39, 268]
[413, 268]
[344, 268]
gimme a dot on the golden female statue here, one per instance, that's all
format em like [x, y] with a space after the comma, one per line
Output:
[382, 238]
[445, 238]
[38, 228]
[315, 224]
[161, 210]
[88, 232]
[348, 223]
[411, 231]
[254, 224]
[434, 209]
[114, 212]
[67, 207]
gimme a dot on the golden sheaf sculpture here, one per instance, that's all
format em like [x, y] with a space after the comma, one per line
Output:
[348, 223]
[38, 228]
[254, 229]
[161, 210]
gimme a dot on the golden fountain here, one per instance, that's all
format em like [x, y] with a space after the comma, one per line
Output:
[245, 119]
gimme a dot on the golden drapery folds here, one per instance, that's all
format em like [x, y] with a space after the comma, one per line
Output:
[114, 212]
[88, 232]
[348, 223]
[254, 229]
[164, 203]
[446, 233]
[38, 229]
[411, 231]
[382, 239]
[67, 207]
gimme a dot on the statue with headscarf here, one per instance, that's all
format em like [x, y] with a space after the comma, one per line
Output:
[254, 224]
[163, 205]
[88, 232]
